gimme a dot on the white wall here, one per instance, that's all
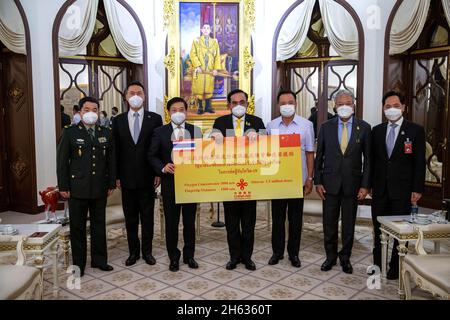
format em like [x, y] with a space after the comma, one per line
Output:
[41, 15]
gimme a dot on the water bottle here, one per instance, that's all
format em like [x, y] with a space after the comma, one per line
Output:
[414, 212]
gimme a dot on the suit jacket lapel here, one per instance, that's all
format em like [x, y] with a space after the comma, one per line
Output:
[127, 128]
[354, 135]
[400, 140]
[145, 126]
[230, 124]
[383, 138]
[335, 129]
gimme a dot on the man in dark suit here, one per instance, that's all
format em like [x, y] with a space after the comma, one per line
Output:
[133, 132]
[65, 119]
[240, 216]
[398, 170]
[341, 177]
[86, 171]
[160, 156]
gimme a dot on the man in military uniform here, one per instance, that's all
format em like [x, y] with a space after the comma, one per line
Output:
[86, 172]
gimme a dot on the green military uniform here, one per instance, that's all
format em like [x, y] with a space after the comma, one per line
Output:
[86, 168]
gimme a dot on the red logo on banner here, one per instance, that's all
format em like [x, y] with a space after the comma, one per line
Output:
[242, 184]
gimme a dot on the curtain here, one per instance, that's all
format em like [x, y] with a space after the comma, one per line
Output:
[294, 30]
[446, 5]
[340, 28]
[305, 100]
[408, 24]
[12, 31]
[77, 27]
[125, 31]
[111, 98]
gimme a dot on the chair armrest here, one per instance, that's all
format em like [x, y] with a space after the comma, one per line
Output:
[419, 244]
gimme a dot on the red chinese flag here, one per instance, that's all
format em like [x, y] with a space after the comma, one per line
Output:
[289, 140]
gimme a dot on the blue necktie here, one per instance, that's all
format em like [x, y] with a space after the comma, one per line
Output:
[136, 128]
[390, 142]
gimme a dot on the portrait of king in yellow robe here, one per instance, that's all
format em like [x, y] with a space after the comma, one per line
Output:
[205, 58]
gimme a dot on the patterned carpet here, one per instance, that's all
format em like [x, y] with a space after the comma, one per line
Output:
[213, 281]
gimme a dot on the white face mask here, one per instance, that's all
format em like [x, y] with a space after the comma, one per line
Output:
[344, 111]
[90, 118]
[178, 118]
[287, 110]
[393, 114]
[76, 118]
[239, 111]
[135, 102]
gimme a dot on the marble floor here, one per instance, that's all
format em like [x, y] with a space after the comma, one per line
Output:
[213, 281]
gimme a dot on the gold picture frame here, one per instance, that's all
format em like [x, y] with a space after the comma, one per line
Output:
[173, 62]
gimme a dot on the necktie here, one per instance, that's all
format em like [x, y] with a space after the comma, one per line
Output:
[344, 137]
[390, 142]
[136, 128]
[180, 133]
[238, 130]
[91, 134]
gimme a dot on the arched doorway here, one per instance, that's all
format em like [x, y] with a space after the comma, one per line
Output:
[101, 70]
[317, 71]
[421, 73]
[17, 151]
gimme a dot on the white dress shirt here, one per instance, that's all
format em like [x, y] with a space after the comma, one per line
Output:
[399, 123]
[131, 119]
[176, 130]
[242, 123]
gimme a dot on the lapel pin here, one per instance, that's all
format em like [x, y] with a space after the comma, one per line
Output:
[357, 127]
[403, 133]
[247, 123]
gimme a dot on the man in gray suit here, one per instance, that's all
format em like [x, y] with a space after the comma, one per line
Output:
[342, 177]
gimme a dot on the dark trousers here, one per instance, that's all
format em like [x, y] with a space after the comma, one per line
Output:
[240, 220]
[172, 213]
[79, 209]
[332, 205]
[139, 204]
[295, 216]
[384, 206]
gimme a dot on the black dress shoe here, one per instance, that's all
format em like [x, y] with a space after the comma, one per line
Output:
[328, 265]
[104, 267]
[275, 259]
[250, 265]
[210, 111]
[231, 264]
[347, 266]
[149, 259]
[191, 263]
[174, 266]
[392, 274]
[131, 260]
[200, 111]
[295, 261]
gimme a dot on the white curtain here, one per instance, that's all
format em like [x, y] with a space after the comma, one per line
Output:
[125, 31]
[294, 30]
[305, 100]
[408, 24]
[446, 5]
[12, 32]
[340, 28]
[77, 27]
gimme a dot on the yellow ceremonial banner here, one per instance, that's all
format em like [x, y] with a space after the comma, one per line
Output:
[238, 169]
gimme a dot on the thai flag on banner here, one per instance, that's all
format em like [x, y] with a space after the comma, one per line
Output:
[184, 145]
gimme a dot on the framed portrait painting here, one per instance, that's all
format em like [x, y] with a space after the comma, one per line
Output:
[208, 54]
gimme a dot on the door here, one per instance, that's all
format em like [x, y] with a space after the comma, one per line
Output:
[429, 103]
[4, 195]
[19, 165]
[315, 83]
